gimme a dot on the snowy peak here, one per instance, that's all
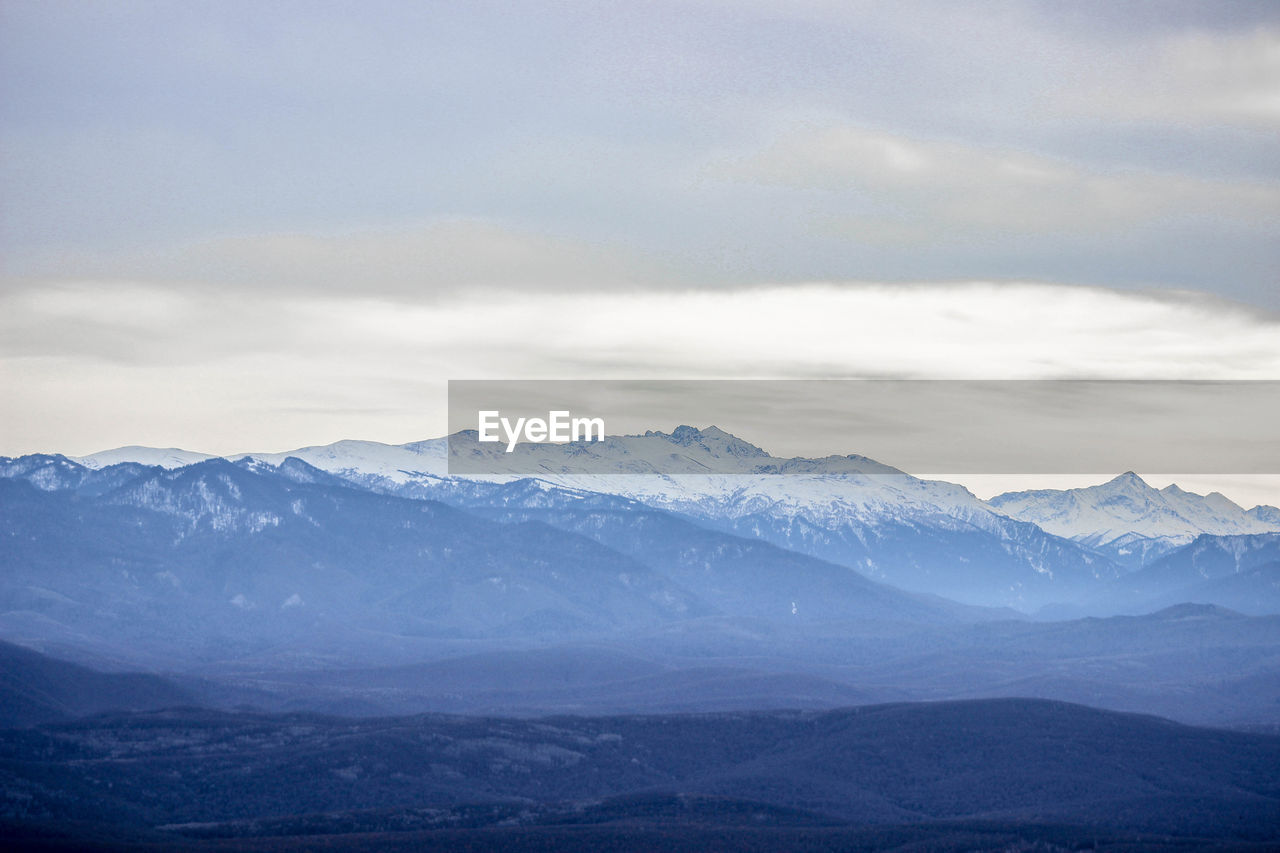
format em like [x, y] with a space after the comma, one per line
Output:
[292, 469]
[1221, 503]
[1266, 515]
[1127, 506]
[1126, 483]
[166, 457]
[713, 440]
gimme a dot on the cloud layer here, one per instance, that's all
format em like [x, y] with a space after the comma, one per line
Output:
[160, 365]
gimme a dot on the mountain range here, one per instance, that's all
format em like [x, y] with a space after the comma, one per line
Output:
[262, 651]
[366, 555]
[1020, 549]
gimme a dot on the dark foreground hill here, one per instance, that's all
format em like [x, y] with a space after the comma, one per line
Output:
[956, 775]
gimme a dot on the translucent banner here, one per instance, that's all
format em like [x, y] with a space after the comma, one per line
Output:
[533, 427]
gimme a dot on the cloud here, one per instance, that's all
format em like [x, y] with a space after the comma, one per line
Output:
[911, 191]
[1197, 77]
[437, 259]
[95, 366]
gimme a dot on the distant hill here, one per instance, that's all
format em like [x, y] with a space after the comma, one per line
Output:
[35, 688]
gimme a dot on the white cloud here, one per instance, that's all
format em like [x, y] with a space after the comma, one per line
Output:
[270, 373]
[888, 188]
[1190, 77]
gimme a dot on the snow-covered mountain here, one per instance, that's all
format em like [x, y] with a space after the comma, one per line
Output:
[164, 457]
[1132, 521]
[370, 463]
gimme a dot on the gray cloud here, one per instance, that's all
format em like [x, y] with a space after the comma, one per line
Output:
[158, 136]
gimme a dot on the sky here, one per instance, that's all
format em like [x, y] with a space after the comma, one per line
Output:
[241, 226]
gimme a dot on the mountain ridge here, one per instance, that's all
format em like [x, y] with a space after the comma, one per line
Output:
[921, 535]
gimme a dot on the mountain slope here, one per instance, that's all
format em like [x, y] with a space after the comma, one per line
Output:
[1232, 571]
[744, 576]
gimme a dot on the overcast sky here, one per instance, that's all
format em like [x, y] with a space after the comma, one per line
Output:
[232, 226]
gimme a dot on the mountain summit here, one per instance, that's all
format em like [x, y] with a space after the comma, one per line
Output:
[1127, 506]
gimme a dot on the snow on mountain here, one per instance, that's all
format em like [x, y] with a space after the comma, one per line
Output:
[1127, 506]
[823, 498]
[700, 472]
[712, 468]
[47, 472]
[922, 535]
[167, 457]
[1266, 515]
[362, 461]
[685, 450]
